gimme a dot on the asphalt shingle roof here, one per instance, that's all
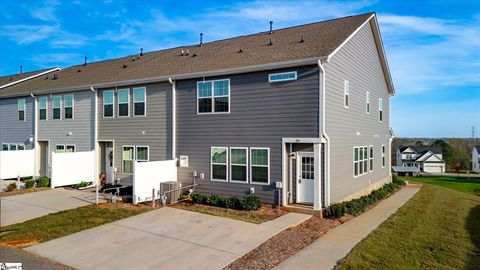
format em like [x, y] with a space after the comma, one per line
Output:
[15, 77]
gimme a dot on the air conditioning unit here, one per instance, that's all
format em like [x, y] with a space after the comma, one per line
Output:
[171, 190]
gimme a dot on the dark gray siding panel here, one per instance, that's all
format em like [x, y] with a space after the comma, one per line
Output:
[12, 130]
[153, 130]
[261, 115]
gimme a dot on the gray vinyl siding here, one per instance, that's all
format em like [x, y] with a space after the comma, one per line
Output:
[261, 114]
[358, 62]
[81, 126]
[128, 131]
[11, 129]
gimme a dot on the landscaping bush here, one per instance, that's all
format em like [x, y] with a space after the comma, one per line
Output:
[80, 185]
[30, 183]
[397, 180]
[251, 202]
[199, 198]
[248, 202]
[43, 181]
[12, 186]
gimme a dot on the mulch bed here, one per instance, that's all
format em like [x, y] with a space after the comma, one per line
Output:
[285, 244]
[22, 191]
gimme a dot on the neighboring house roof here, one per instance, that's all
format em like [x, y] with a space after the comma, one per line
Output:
[288, 47]
[405, 169]
[420, 149]
[478, 148]
[8, 80]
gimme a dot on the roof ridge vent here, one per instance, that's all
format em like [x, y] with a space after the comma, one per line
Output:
[301, 40]
[240, 50]
[270, 43]
[124, 66]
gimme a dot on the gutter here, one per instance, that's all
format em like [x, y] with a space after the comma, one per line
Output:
[28, 78]
[322, 132]
[95, 143]
[174, 118]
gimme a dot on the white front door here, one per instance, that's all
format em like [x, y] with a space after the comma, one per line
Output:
[109, 164]
[305, 178]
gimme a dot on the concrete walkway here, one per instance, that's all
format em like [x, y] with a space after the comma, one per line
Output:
[20, 208]
[337, 243]
[166, 238]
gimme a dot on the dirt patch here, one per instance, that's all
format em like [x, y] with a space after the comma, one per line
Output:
[19, 243]
[22, 191]
[265, 213]
[285, 244]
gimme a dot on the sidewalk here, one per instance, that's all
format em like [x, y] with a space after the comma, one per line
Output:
[337, 243]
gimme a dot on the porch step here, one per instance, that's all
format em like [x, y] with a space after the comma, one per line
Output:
[302, 209]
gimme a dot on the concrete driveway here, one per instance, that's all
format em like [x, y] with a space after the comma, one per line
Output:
[19, 208]
[166, 238]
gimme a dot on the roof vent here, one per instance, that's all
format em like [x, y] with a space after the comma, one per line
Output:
[187, 52]
[301, 40]
[11, 78]
[124, 66]
[270, 43]
[201, 40]
[133, 58]
[141, 51]
[193, 55]
[55, 76]
[85, 61]
[240, 50]
[79, 70]
[271, 28]
[46, 77]
[21, 70]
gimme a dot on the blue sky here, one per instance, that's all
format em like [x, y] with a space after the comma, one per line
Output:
[433, 47]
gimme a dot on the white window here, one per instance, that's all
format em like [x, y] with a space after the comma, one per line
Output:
[139, 101]
[360, 160]
[21, 109]
[260, 166]
[57, 107]
[128, 156]
[383, 156]
[142, 153]
[68, 106]
[20, 146]
[60, 148]
[371, 158]
[108, 101]
[346, 93]
[238, 164]
[213, 97]
[5, 147]
[123, 102]
[42, 106]
[69, 148]
[367, 102]
[380, 109]
[12, 147]
[219, 161]
[285, 76]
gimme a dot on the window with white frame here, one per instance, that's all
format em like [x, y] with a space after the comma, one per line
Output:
[346, 93]
[42, 107]
[139, 101]
[367, 102]
[219, 161]
[360, 160]
[20, 146]
[260, 165]
[142, 154]
[68, 106]
[12, 147]
[21, 109]
[380, 109]
[238, 164]
[108, 102]
[60, 148]
[69, 148]
[284, 76]
[128, 156]
[383, 156]
[57, 107]
[371, 157]
[5, 147]
[123, 102]
[213, 96]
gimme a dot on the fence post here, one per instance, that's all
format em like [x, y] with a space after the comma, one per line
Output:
[153, 198]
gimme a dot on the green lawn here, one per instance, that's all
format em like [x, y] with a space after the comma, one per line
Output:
[66, 222]
[469, 185]
[439, 228]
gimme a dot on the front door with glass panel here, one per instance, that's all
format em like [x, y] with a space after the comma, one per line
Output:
[305, 178]
[109, 164]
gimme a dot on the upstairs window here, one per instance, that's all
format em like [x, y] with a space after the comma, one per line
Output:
[139, 101]
[260, 166]
[285, 76]
[346, 93]
[380, 109]
[219, 161]
[68, 106]
[56, 107]
[213, 96]
[108, 100]
[21, 109]
[238, 164]
[42, 105]
[367, 102]
[123, 102]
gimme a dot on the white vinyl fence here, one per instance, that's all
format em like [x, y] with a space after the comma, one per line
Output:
[149, 175]
[17, 163]
[72, 168]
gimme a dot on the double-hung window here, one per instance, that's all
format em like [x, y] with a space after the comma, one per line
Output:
[139, 101]
[346, 93]
[60, 148]
[367, 102]
[128, 156]
[260, 165]
[42, 106]
[108, 101]
[238, 164]
[380, 109]
[371, 158]
[384, 161]
[4, 147]
[68, 106]
[57, 107]
[142, 153]
[21, 109]
[219, 161]
[360, 160]
[69, 148]
[123, 102]
[213, 96]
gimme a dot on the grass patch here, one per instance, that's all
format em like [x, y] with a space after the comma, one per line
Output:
[265, 213]
[63, 223]
[469, 185]
[437, 229]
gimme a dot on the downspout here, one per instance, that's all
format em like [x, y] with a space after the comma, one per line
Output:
[95, 143]
[35, 132]
[323, 133]
[174, 118]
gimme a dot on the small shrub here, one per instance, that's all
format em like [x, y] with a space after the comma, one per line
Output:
[199, 198]
[213, 200]
[43, 181]
[397, 180]
[251, 202]
[233, 203]
[12, 187]
[29, 183]
[80, 185]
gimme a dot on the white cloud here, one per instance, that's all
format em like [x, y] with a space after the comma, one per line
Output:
[55, 59]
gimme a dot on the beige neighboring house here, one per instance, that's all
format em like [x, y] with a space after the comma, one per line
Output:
[476, 159]
[426, 159]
